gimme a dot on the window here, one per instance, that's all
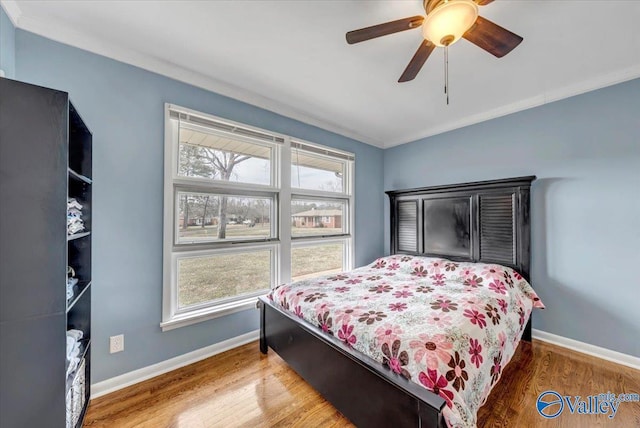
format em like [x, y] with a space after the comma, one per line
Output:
[318, 217]
[313, 168]
[312, 260]
[207, 277]
[321, 200]
[222, 217]
[207, 155]
[245, 209]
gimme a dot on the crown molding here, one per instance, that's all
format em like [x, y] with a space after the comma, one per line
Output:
[13, 10]
[578, 88]
[84, 41]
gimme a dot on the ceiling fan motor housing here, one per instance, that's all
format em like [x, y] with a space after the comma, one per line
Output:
[429, 5]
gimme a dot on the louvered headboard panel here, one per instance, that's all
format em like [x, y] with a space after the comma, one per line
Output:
[485, 221]
[497, 228]
[408, 226]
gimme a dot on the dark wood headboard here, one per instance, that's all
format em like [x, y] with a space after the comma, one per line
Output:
[484, 221]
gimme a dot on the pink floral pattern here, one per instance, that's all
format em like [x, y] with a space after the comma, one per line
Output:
[436, 383]
[388, 333]
[498, 287]
[399, 307]
[450, 327]
[395, 359]
[475, 350]
[346, 335]
[439, 320]
[433, 349]
[475, 317]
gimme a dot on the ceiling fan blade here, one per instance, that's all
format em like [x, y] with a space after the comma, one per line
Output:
[418, 60]
[379, 30]
[483, 2]
[492, 37]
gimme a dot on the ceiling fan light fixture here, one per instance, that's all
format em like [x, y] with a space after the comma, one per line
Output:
[446, 24]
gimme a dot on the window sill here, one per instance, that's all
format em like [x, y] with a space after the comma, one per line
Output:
[195, 317]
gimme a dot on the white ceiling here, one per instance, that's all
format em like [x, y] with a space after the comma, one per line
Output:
[291, 57]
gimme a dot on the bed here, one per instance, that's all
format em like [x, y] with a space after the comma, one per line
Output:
[400, 342]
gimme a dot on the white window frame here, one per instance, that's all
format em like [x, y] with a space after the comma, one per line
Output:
[280, 190]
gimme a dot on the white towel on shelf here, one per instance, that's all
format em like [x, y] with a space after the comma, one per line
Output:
[71, 345]
[73, 203]
[76, 334]
[71, 282]
[73, 365]
[75, 223]
[74, 213]
[74, 226]
[73, 354]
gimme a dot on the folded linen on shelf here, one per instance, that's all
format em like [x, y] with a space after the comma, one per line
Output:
[76, 334]
[72, 345]
[73, 349]
[71, 282]
[75, 223]
[73, 203]
[73, 365]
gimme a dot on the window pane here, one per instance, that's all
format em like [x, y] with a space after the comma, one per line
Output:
[316, 172]
[315, 260]
[205, 217]
[215, 157]
[210, 278]
[313, 217]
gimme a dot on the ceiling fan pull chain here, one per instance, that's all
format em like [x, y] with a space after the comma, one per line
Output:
[446, 72]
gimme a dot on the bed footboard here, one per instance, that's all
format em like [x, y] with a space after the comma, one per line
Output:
[359, 387]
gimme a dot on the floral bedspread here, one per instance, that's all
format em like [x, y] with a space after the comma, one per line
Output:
[450, 327]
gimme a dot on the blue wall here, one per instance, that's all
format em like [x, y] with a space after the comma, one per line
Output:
[585, 151]
[124, 107]
[7, 45]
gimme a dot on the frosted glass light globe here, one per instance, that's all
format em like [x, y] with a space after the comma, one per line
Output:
[447, 23]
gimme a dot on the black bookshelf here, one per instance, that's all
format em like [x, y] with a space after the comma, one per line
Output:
[45, 157]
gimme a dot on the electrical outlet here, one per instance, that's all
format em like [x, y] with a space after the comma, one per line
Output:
[116, 343]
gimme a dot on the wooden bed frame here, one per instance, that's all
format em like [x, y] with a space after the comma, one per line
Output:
[484, 221]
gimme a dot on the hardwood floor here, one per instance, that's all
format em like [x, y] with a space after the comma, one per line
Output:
[242, 388]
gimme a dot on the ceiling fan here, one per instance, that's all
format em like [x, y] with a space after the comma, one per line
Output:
[445, 23]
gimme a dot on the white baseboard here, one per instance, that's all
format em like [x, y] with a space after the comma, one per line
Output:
[127, 379]
[115, 383]
[585, 348]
